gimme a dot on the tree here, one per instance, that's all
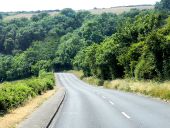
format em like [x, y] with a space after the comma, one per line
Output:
[134, 44]
[163, 5]
[1, 17]
[155, 43]
[41, 65]
[86, 60]
[68, 12]
[5, 65]
[9, 45]
[145, 68]
[67, 50]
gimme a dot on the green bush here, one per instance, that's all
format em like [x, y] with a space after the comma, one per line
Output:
[13, 94]
[145, 68]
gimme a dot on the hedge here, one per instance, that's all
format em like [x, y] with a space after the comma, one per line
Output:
[14, 94]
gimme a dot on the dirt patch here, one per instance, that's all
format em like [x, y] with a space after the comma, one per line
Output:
[15, 116]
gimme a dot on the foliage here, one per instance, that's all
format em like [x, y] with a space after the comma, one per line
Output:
[13, 94]
[163, 5]
[139, 49]
[150, 88]
[134, 44]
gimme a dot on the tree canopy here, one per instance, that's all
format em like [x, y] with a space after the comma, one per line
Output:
[163, 5]
[134, 44]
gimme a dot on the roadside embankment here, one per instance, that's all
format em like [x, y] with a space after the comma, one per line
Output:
[34, 107]
[15, 116]
[43, 116]
[15, 94]
[151, 88]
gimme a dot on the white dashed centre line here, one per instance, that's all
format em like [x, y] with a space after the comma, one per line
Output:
[125, 115]
[111, 102]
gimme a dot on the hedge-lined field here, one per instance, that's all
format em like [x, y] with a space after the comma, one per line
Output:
[13, 94]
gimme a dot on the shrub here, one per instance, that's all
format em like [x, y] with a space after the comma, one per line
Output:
[145, 68]
[13, 94]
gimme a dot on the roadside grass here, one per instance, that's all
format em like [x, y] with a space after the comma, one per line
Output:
[91, 80]
[79, 74]
[151, 88]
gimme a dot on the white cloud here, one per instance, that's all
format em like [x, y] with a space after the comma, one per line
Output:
[20, 5]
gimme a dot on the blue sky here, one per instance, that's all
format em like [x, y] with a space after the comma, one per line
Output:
[29, 5]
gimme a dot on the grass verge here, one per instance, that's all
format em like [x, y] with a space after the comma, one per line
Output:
[91, 80]
[151, 88]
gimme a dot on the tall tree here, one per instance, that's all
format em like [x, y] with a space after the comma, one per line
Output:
[163, 5]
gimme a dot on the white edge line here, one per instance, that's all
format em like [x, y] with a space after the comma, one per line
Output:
[126, 115]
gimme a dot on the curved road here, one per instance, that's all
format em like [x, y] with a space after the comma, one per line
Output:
[91, 107]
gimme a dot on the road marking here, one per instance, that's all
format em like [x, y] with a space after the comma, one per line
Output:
[104, 97]
[126, 115]
[111, 102]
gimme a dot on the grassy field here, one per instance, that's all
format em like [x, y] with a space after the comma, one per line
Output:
[117, 10]
[151, 88]
[19, 16]
[26, 15]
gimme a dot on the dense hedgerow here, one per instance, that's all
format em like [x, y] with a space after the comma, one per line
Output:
[13, 94]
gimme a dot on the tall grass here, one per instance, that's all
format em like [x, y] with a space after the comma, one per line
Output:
[155, 89]
[91, 80]
[13, 94]
[79, 74]
[151, 88]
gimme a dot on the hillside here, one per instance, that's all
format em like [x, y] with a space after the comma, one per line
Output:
[117, 10]
[13, 15]
[133, 45]
[121, 48]
[120, 9]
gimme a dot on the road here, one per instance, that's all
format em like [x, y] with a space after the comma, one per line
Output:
[91, 107]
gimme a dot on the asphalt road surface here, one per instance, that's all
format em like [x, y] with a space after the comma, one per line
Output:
[91, 107]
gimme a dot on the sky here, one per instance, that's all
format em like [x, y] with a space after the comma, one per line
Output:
[33, 5]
